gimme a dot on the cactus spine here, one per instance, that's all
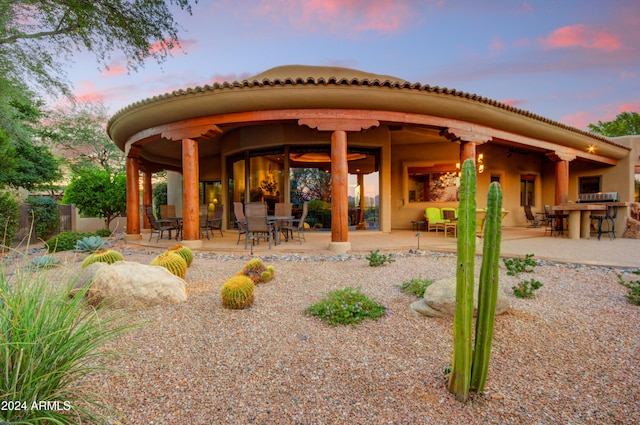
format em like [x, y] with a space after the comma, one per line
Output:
[460, 377]
[183, 251]
[172, 262]
[488, 290]
[108, 256]
[469, 369]
[237, 292]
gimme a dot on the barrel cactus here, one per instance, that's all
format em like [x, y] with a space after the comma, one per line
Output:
[183, 251]
[257, 271]
[108, 256]
[237, 292]
[172, 262]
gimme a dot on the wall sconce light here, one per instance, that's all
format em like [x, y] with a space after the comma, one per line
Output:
[591, 149]
[480, 163]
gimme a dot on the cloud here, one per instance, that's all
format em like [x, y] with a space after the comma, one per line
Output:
[579, 35]
[514, 102]
[603, 113]
[221, 78]
[628, 74]
[497, 45]
[88, 92]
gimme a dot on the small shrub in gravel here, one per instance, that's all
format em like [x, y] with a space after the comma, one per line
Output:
[347, 306]
[415, 286]
[633, 286]
[376, 259]
[526, 288]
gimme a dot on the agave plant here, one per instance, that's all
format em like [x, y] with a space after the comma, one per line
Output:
[90, 244]
[43, 262]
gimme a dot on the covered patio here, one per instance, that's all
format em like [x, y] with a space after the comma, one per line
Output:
[247, 137]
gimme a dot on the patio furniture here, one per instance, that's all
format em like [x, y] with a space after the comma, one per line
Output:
[258, 226]
[434, 219]
[283, 209]
[215, 222]
[531, 218]
[160, 226]
[297, 225]
[241, 220]
[608, 220]
[167, 212]
[451, 221]
[203, 219]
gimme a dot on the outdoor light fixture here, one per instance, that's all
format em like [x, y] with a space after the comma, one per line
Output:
[322, 157]
[591, 149]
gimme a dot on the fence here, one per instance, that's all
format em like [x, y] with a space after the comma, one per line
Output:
[25, 220]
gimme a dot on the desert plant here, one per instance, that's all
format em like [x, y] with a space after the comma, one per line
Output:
[172, 262]
[517, 265]
[347, 306]
[64, 241]
[89, 244]
[49, 344]
[237, 292]
[633, 286]
[108, 256]
[43, 262]
[469, 368]
[257, 271]
[376, 259]
[183, 251]
[526, 288]
[8, 218]
[102, 232]
[415, 286]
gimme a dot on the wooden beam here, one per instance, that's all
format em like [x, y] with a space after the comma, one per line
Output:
[339, 187]
[191, 176]
[133, 196]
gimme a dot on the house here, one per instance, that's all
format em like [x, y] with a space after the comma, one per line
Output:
[388, 139]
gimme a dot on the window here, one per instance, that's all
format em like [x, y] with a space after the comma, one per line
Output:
[527, 190]
[433, 183]
[590, 184]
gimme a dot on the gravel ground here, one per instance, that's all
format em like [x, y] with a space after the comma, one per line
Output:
[570, 355]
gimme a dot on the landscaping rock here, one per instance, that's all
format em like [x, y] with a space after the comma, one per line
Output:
[632, 231]
[440, 300]
[126, 284]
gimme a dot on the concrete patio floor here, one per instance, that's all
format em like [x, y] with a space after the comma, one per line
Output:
[516, 241]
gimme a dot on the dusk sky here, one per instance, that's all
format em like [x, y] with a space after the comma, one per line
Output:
[573, 61]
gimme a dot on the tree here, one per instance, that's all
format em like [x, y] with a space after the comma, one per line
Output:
[37, 38]
[98, 193]
[625, 124]
[311, 183]
[78, 133]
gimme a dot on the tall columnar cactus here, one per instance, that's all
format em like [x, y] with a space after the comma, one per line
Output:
[460, 377]
[469, 369]
[172, 262]
[488, 290]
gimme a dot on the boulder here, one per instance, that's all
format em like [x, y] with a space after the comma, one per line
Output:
[440, 300]
[632, 231]
[127, 284]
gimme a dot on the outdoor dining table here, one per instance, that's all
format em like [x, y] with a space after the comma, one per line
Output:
[276, 220]
[177, 221]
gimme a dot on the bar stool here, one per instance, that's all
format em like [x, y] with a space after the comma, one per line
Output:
[607, 218]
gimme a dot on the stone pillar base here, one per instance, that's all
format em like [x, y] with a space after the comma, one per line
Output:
[195, 244]
[134, 237]
[339, 247]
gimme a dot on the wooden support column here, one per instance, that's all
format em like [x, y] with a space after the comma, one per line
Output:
[339, 187]
[467, 151]
[147, 197]
[133, 195]
[190, 210]
[561, 160]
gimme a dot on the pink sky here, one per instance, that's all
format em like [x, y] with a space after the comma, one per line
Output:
[573, 62]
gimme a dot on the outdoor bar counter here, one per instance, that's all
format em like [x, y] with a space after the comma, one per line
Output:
[579, 225]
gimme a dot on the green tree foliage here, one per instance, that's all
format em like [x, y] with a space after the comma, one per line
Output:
[625, 124]
[97, 193]
[311, 183]
[37, 38]
[8, 218]
[25, 163]
[46, 217]
[160, 196]
[78, 133]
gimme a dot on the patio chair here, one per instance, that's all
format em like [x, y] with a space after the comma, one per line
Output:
[215, 222]
[434, 219]
[297, 225]
[203, 219]
[167, 211]
[531, 218]
[258, 226]
[241, 220]
[160, 226]
[283, 209]
[608, 219]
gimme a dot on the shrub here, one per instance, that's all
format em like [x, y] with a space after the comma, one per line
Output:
[347, 306]
[526, 288]
[172, 262]
[159, 196]
[105, 233]
[46, 217]
[376, 259]
[237, 292]
[633, 286]
[517, 265]
[415, 286]
[49, 343]
[8, 218]
[64, 241]
[108, 256]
